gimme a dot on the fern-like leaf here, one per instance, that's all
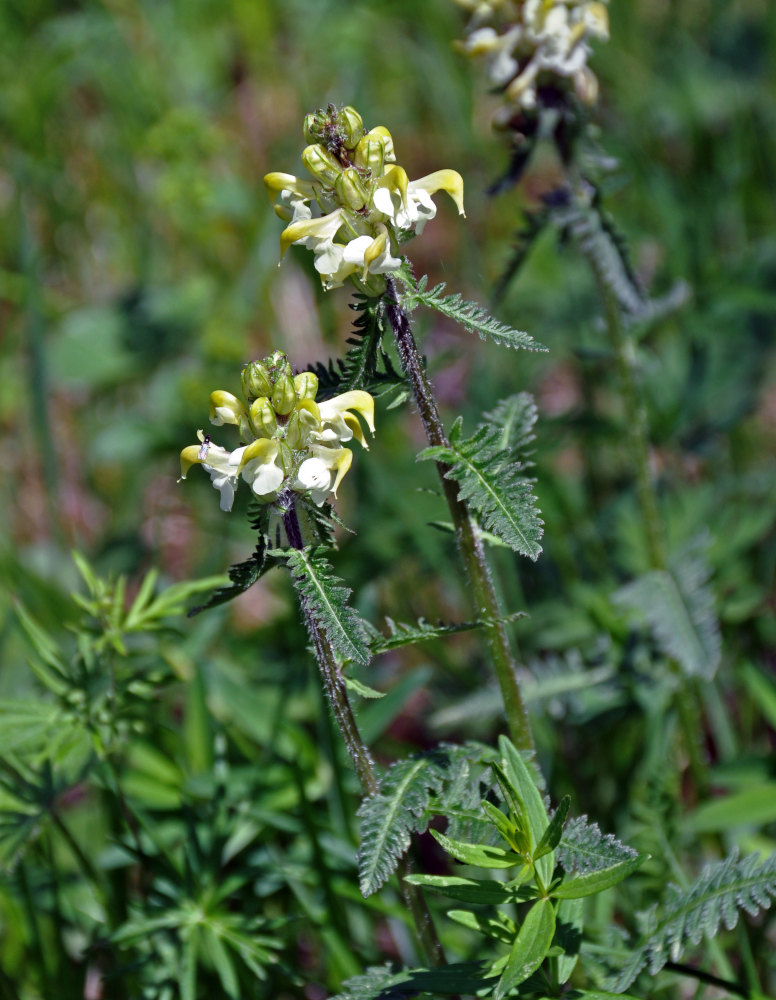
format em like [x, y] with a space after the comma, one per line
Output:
[403, 806]
[470, 315]
[366, 365]
[243, 576]
[490, 481]
[384, 983]
[584, 848]
[714, 899]
[324, 597]
[403, 634]
[678, 606]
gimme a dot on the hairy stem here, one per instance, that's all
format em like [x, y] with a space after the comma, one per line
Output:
[635, 418]
[469, 544]
[359, 755]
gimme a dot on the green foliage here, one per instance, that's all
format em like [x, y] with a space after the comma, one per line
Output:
[409, 796]
[470, 315]
[404, 634]
[678, 605]
[488, 471]
[584, 848]
[366, 365]
[688, 915]
[324, 599]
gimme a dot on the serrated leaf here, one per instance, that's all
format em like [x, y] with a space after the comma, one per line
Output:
[714, 898]
[584, 848]
[478, 855]
[678, 606]
[324, 597]
[578, 886]
[470, 315]
[242, 576]
[403, 806]
[403, 634]
[490, 479]
[365, 366]
[530, 948]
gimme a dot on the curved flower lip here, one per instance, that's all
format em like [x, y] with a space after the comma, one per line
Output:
[278, 181]
[449, 181]
[324, 228]
[355, 399]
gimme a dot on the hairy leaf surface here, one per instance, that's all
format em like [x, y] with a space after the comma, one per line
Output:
[714, 899]
[490, 479]
[324, 596]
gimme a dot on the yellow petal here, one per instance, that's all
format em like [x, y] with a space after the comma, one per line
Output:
[324, 227]
[395, 179]
[358, 431]
[357, 400]
[262, 448]
[312, 407]
[341, 464]
[278, 181]
[373, 251]
[444, 180]
[189, 457]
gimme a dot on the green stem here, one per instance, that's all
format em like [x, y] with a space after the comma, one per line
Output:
[359, 755]
[469, 544]
[706, 977]
[635, 418]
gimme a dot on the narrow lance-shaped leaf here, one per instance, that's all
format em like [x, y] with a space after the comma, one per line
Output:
[551, 836]
[516, 770]
[590, 883]
[531, 945]
[325, 597]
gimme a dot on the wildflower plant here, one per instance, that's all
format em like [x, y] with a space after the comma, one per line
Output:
[177, 823]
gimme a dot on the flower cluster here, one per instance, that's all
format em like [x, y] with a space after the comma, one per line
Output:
[527, 42]
[360, 204]
[290, 441]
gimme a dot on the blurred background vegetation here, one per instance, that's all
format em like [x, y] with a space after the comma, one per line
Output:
[139, 271]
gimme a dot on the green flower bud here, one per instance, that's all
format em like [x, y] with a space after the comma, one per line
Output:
[351, 190]
[351, 126]
[306, 385]
[255, 381]
[310, 128]
[370, 154]
[321, 164]
[262, 418]
[294, 432]
[285, 457]
[284, 395]
[277, 364]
